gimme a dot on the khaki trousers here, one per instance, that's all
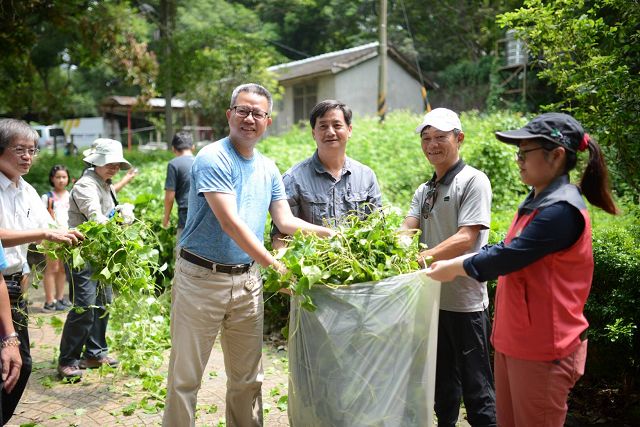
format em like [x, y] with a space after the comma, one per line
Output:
[203, 303]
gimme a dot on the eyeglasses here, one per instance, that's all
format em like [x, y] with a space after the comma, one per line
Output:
[429, 200]
[21, 151]
[521, 155]
[243, 111]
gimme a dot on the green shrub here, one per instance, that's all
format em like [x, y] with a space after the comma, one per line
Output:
[612, 307]
[393, 151]
[496, 159]
[38, 176]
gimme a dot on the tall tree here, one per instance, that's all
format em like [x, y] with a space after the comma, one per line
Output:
[590, 50]
[216, 46]
[312, 27]
[43, 44]
[438, 33]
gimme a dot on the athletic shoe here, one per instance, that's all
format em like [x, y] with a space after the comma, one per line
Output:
[65, 302]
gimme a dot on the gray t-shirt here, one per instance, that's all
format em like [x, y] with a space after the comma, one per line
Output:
[317, 197]
[178, 179]
[463, 201]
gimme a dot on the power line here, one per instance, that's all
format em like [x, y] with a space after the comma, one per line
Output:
[289, 48]
[425, 96]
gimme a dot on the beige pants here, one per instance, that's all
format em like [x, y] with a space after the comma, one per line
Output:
[204, 302]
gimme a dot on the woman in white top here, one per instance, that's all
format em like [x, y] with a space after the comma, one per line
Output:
[57, 203]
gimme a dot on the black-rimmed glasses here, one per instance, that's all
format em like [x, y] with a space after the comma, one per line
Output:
[521, 155]
[21, 151]
[429, 200]
[243, 111]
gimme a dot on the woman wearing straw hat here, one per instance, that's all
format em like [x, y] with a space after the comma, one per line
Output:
[544, 268]
[92, 198]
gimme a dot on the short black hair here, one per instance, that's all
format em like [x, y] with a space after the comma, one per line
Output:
[329, 104]
[55, 169]
[252, 88]
[182, 141]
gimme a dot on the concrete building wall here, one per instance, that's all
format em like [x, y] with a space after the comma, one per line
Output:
[358, 88]
[284, 118]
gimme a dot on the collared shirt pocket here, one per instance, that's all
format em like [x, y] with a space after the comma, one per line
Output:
[315, 208]
[357, 202]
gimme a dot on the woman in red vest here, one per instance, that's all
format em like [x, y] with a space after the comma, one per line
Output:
[544, 268]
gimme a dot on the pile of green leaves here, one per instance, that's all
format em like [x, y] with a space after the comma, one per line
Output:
[117, 254]
[362, 250]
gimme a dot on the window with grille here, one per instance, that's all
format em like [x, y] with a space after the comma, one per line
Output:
[305, 97]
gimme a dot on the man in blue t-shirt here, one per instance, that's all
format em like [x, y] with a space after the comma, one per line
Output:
[176, 186]
[217, 284]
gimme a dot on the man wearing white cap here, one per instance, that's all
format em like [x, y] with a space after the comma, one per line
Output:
[92, 198]
[453, 212]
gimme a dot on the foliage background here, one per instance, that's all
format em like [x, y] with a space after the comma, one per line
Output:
[590, 51]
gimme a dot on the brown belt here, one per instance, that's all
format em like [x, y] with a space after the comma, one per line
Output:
[213, 266]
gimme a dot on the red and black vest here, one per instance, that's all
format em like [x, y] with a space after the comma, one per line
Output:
[539, 309]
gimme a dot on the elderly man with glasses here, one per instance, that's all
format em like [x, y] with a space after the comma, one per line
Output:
[217, 285]
[23, 219]
[453, 212]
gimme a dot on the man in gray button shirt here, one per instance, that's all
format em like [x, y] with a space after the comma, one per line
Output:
[329, 185]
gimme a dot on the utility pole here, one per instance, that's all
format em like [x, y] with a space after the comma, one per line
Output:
[382, 54]
[168, 15]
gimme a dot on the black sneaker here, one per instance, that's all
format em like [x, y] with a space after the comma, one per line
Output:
[50, 306]
[60, 306]
[65, 302]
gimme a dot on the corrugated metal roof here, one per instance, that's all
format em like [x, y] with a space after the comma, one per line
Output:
[332, 62]
[335, 62]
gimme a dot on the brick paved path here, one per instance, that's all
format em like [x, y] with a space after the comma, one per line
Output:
[99, 400]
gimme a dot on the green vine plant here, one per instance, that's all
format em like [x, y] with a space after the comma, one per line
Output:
[362, 250]
[126, 256]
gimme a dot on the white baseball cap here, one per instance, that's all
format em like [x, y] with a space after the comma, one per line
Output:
[107, 151]
[442, 119]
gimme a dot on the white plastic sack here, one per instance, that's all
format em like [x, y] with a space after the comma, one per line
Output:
[366, 356]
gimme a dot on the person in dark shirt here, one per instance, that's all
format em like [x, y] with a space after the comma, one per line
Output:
[176, 186]
[544, 268]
